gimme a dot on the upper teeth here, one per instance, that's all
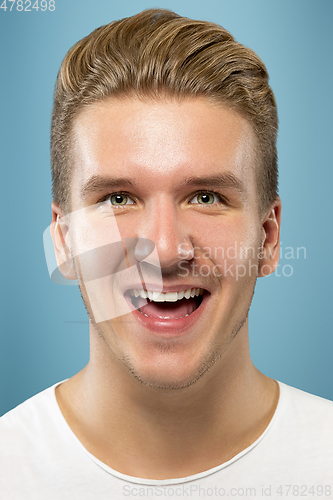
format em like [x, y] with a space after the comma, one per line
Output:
[169, 296]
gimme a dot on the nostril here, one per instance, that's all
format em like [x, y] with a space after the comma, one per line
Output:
[186, 250]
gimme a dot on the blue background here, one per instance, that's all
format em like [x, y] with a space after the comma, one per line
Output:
[44, 327]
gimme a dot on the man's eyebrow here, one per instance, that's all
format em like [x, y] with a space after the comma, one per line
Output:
[225, 180]
[97, 183]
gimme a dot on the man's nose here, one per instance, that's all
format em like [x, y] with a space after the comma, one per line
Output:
[163, 228]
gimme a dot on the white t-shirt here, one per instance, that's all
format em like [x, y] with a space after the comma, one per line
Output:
[42, 459]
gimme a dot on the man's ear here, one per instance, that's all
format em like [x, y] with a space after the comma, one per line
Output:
[270, 239]
[61, 242]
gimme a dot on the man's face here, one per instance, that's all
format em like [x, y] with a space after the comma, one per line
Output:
[181, 175]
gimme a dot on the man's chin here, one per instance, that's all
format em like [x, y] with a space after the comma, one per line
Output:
[165, 384]
[170, 378]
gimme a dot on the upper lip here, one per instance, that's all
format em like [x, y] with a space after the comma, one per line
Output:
[165, 289]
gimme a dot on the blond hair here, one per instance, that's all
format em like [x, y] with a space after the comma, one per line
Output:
[155, 52]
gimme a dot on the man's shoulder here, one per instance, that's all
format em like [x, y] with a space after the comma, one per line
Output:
[298, 398]
[30, 418]
[39, 456]
[305, 412]
[38, 399]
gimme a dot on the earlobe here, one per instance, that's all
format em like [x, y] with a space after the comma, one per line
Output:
[269, 258]
[61, 242]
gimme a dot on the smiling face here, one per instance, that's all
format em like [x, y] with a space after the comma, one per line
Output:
[181, 175]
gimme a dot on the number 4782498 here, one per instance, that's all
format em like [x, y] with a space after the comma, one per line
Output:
[28, 6]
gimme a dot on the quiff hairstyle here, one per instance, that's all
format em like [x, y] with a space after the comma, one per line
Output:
[154, 53]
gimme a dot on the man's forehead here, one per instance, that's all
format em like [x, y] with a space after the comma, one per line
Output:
[189, 140]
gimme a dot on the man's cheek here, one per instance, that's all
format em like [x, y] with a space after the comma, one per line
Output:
[109, 272]
[230, 259]
[101, 261]
[105, 263]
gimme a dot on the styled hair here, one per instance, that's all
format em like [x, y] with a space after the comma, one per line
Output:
[159, 52]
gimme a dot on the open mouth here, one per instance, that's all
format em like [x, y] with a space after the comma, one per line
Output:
[170, 305]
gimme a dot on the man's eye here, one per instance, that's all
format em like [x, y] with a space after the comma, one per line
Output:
[119, 199]
[205, 198]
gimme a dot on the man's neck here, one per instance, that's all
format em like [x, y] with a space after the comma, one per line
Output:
[157, 433]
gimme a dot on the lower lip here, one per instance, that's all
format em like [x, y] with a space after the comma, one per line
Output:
[171, 326]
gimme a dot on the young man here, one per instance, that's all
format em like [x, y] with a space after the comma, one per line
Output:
[166, 211]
